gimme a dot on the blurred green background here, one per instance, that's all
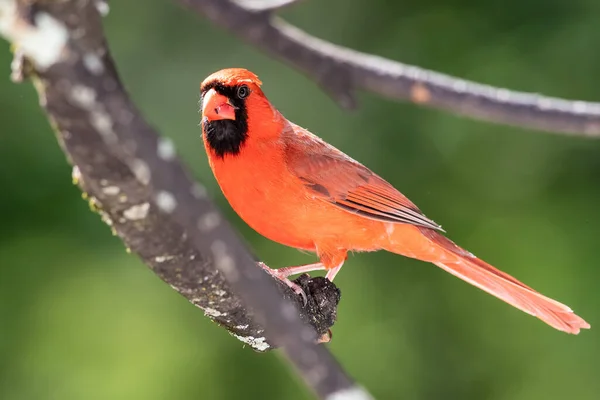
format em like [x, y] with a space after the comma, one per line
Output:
[81, 319]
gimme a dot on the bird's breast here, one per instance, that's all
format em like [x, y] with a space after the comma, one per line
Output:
[277, 204]
[265, 195]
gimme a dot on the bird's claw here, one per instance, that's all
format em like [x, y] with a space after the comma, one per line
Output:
[326, 337]
[283, 278]
[297, 289]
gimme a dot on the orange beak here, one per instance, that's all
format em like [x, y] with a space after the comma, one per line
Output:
[215, 106]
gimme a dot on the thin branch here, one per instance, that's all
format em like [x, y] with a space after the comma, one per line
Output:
[340, 71]
[143, 191]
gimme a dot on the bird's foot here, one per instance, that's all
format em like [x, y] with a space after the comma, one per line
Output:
[283, 273]
[277, 274]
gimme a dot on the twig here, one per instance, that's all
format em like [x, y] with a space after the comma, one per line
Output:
[340, 71]
[136, 182]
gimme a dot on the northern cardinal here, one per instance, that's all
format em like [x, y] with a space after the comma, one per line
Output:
[295, 189]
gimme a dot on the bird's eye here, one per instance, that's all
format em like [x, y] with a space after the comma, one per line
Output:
[243, 92]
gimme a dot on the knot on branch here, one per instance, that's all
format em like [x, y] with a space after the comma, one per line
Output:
[323, 298]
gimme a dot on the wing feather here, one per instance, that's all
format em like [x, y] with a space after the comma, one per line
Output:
[333, 176]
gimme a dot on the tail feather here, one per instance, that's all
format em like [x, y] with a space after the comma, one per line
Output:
[497, 283]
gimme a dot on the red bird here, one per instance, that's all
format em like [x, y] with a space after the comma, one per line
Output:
[297, 190]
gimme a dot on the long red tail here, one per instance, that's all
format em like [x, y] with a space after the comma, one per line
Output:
[505, 287]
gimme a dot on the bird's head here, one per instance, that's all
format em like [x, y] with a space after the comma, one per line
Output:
[234, 108]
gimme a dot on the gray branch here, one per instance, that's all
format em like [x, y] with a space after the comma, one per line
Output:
[134, 179]
[341, 71]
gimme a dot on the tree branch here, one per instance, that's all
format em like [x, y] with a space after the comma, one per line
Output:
[340, 71]
[133, 178]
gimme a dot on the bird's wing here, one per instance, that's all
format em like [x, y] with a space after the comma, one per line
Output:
[333, 176]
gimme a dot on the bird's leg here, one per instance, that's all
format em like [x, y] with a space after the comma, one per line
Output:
[283, 273]
[331, 273]
[299, 269]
